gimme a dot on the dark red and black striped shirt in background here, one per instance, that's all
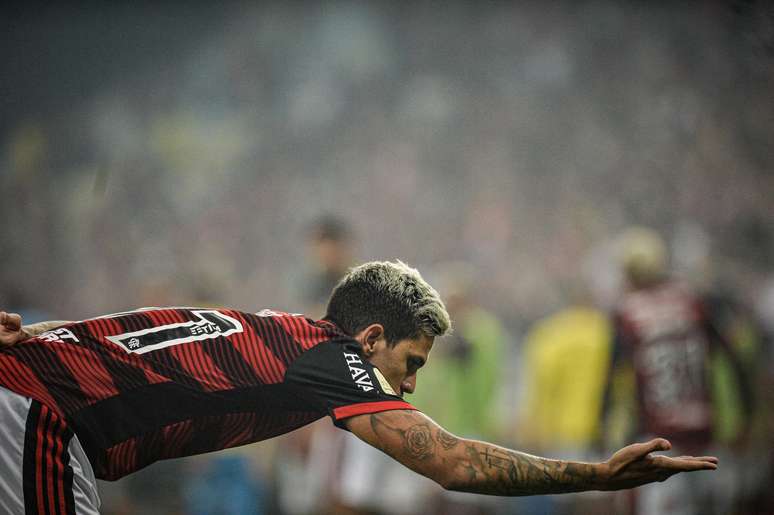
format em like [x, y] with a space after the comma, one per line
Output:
[664, 333]
[152, 384]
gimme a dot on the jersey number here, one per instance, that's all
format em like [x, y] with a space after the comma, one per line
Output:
[210, 324]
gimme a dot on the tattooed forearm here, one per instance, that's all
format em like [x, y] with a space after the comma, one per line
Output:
[473, 466]
[515, 473]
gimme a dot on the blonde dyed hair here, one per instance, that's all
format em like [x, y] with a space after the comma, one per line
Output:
[392, 294]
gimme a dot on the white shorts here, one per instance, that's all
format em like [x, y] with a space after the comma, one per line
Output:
[43, 469]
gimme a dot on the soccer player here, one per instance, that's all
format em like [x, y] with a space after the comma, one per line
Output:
[107, 396]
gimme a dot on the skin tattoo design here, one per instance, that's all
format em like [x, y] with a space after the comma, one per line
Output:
[485, 468]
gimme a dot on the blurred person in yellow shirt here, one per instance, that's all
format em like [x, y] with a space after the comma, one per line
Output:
[566, 359]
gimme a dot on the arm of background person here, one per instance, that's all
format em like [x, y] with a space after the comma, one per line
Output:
[465, 465]
[742, 378]
[12, 331]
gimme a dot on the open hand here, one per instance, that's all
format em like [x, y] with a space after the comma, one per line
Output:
[10, 328]
[634, 465]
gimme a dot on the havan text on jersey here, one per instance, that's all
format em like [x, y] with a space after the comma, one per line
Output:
[359, 374]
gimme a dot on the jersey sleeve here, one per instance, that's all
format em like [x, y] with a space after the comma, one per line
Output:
[335, 379]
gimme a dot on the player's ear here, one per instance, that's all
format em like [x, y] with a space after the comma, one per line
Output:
[369, 338]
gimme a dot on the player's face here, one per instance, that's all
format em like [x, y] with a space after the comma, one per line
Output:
[399, 363]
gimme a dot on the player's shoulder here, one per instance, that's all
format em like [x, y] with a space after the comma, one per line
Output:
[301, 328]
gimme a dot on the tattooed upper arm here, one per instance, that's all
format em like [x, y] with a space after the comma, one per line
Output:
[411, 438]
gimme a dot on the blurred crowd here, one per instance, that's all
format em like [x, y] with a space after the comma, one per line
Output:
[499, 149]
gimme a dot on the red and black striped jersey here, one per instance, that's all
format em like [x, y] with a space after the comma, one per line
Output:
[162, 383]
[663, 332]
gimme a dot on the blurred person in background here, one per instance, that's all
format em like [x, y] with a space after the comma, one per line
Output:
[108, 396]
[566, 360]
[306, 461]
[748, 440]
[330, 243]
[664, 332]
[740, 430]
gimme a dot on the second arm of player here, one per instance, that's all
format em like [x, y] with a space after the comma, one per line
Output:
[12, 331]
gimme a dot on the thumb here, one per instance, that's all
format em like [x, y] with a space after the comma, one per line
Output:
[640, 450]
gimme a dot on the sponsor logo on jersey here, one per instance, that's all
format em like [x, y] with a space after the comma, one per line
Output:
[359, 373]
[386, 388]
[207, 325]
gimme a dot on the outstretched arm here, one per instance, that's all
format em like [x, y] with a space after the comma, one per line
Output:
[465, 465]
[12, 331]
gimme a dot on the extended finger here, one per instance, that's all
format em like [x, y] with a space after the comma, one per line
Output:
[710, 459]
[683, 464]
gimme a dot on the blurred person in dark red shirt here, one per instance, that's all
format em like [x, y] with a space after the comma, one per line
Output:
[665, 334]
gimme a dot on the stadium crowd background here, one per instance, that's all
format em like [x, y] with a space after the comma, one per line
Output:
[179, 154]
